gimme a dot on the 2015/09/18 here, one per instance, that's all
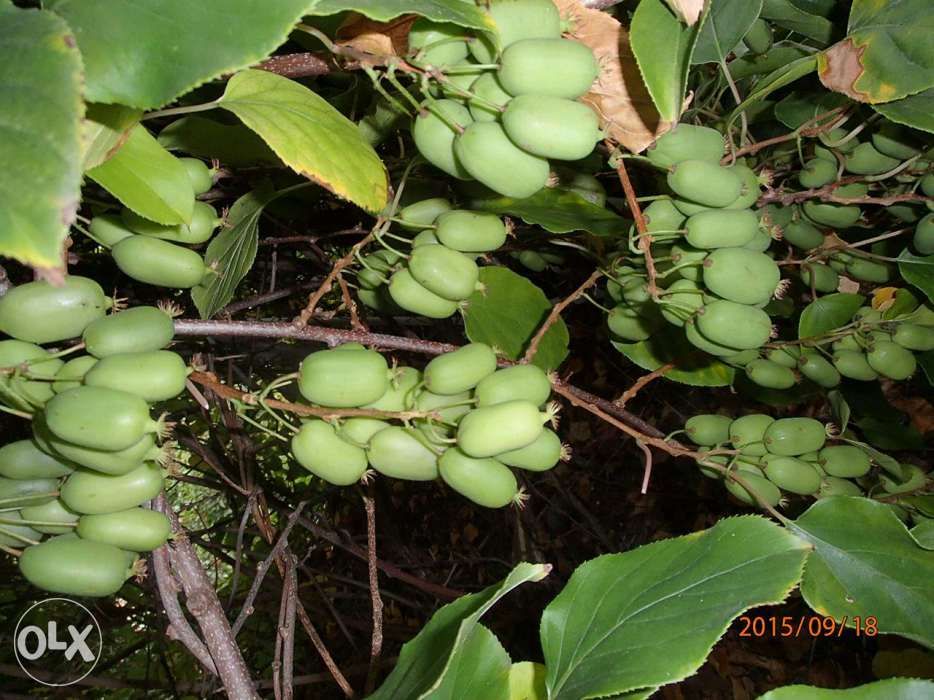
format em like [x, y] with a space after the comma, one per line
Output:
[810, 625]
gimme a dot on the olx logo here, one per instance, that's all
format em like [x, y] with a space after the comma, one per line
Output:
[57, 642]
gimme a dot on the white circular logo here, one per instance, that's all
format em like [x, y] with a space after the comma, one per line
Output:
[57, 642]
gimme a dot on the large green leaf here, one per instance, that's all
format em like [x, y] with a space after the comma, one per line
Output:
[426, 662]
[650, 616]
[691, 366]
[800, 107]
[508, 313]
[916, 111]
[827, 313]
[776, 80]
[663, 47]
[556, 210]
[727, 23]
[866, 563]
[788, 15]
[479, 668]
[309, 135]
[105, 129]
[887, 53]
[778, 56]
[232, 144]
[40, 146]
[889, 689]
[923, 533]
[918, 271]
[146, 53]
[461, 13]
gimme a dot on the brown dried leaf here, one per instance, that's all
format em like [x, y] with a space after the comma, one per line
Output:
[380, 39]
[688, 11]
[619, 95]
[840, 66]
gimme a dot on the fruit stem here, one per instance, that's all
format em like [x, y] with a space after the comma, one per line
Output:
[16, 536]
[378, 235]
[11, 551]
[52, 523]
[376, 79]
[14, 412]
[263, 428]
[600, 306]
[172, 111]
[679, 267]
[360, 260]
[28, 497]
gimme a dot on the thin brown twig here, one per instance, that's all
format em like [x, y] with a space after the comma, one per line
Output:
[340, 264]
[376, 643]
[297, 65]
[645, 238]
[556, 314]
[803, 130]
[323, 652]
[641, 382]
[285, 634]
[351, 305]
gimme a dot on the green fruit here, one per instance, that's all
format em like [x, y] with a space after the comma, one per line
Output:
[584, 185]
[400, 396]
[923, 239]
[741, 359]
[844, 461]
[708, 429]
[419, 215]
[24, 460]
[891, 360]
[802, 234]
[627, 324]
[373, 275]
[492, 430]
[140, 329]
[487, 153]
[88, 492]
[847, 342]
[833, 215]
[488, 89]
[914, 480]
[71, 374]
[434, 135]
[681, 254]
[750, 192]
[52, 512]
[687, 142]
[154, 376]
[100, 418]
[425, 238]
[108, 230]
[486, 482]
[662, 215]
[721, 228]
[531, 260]
[548, 67]
[822, 278]
[203, 222]
[766, 490]
[914, 337]
[551, 127]
[446, 272]
[689, 208]
[134, 529]
[399, 453]
[684, 293]
[904, 212]
[379, 300]
[74, 566]
[854, 365]
[516, 20]
[318, 448]
[868, 271]
[833, 486]
[413, 297]
[705, 183]
[358, 431]
[894, 141]
[747, 433]
[15, 493]
[159, 263]
[927, 184]
[695, 338]
[790, 437]
[343, 378]
[785, 355]
[437, 43]
[520, 382]
[460, 370]
[13, 535]
[37, 312]
[866, 160]
[34, 366]
[758, 38]
[817, 173]
[770, 375]
[760, 242]
[538, 456]
[819, 370]
[741, 275]
[734, 325]
[200, 175]
[471, 232]
[832, 137]
[793, 475]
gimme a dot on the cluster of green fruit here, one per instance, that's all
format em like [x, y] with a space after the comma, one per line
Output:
[154, 253]
[93, 459]
[462, 420]
[440, 272]
[790, 455]
[509, 98]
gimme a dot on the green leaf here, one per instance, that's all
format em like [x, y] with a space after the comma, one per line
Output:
[106, 128]
[527, 681]
[663, 47]
[309, 135]
[788, 15]
[650, 616]
[890, 464]
[147, 179]
[827, 313]
[800, 107]
[887, 53]
[508, 313]
[923, 533]
[840, 409]
[232, 144]
[923, 502]
[148, 52]
[425, 661]
[889, 434]
[669, 345]
[865, 563]
[555, 210]
[231, 252]
[458, 12]
[918, 271]
[40, 114]
[726, 25]
[776, 80]
[889, 689]
[777, 56]
[479, 668]
[916, 111]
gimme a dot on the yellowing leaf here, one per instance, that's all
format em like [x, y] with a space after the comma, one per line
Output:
[688, 11]
[883, 298]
